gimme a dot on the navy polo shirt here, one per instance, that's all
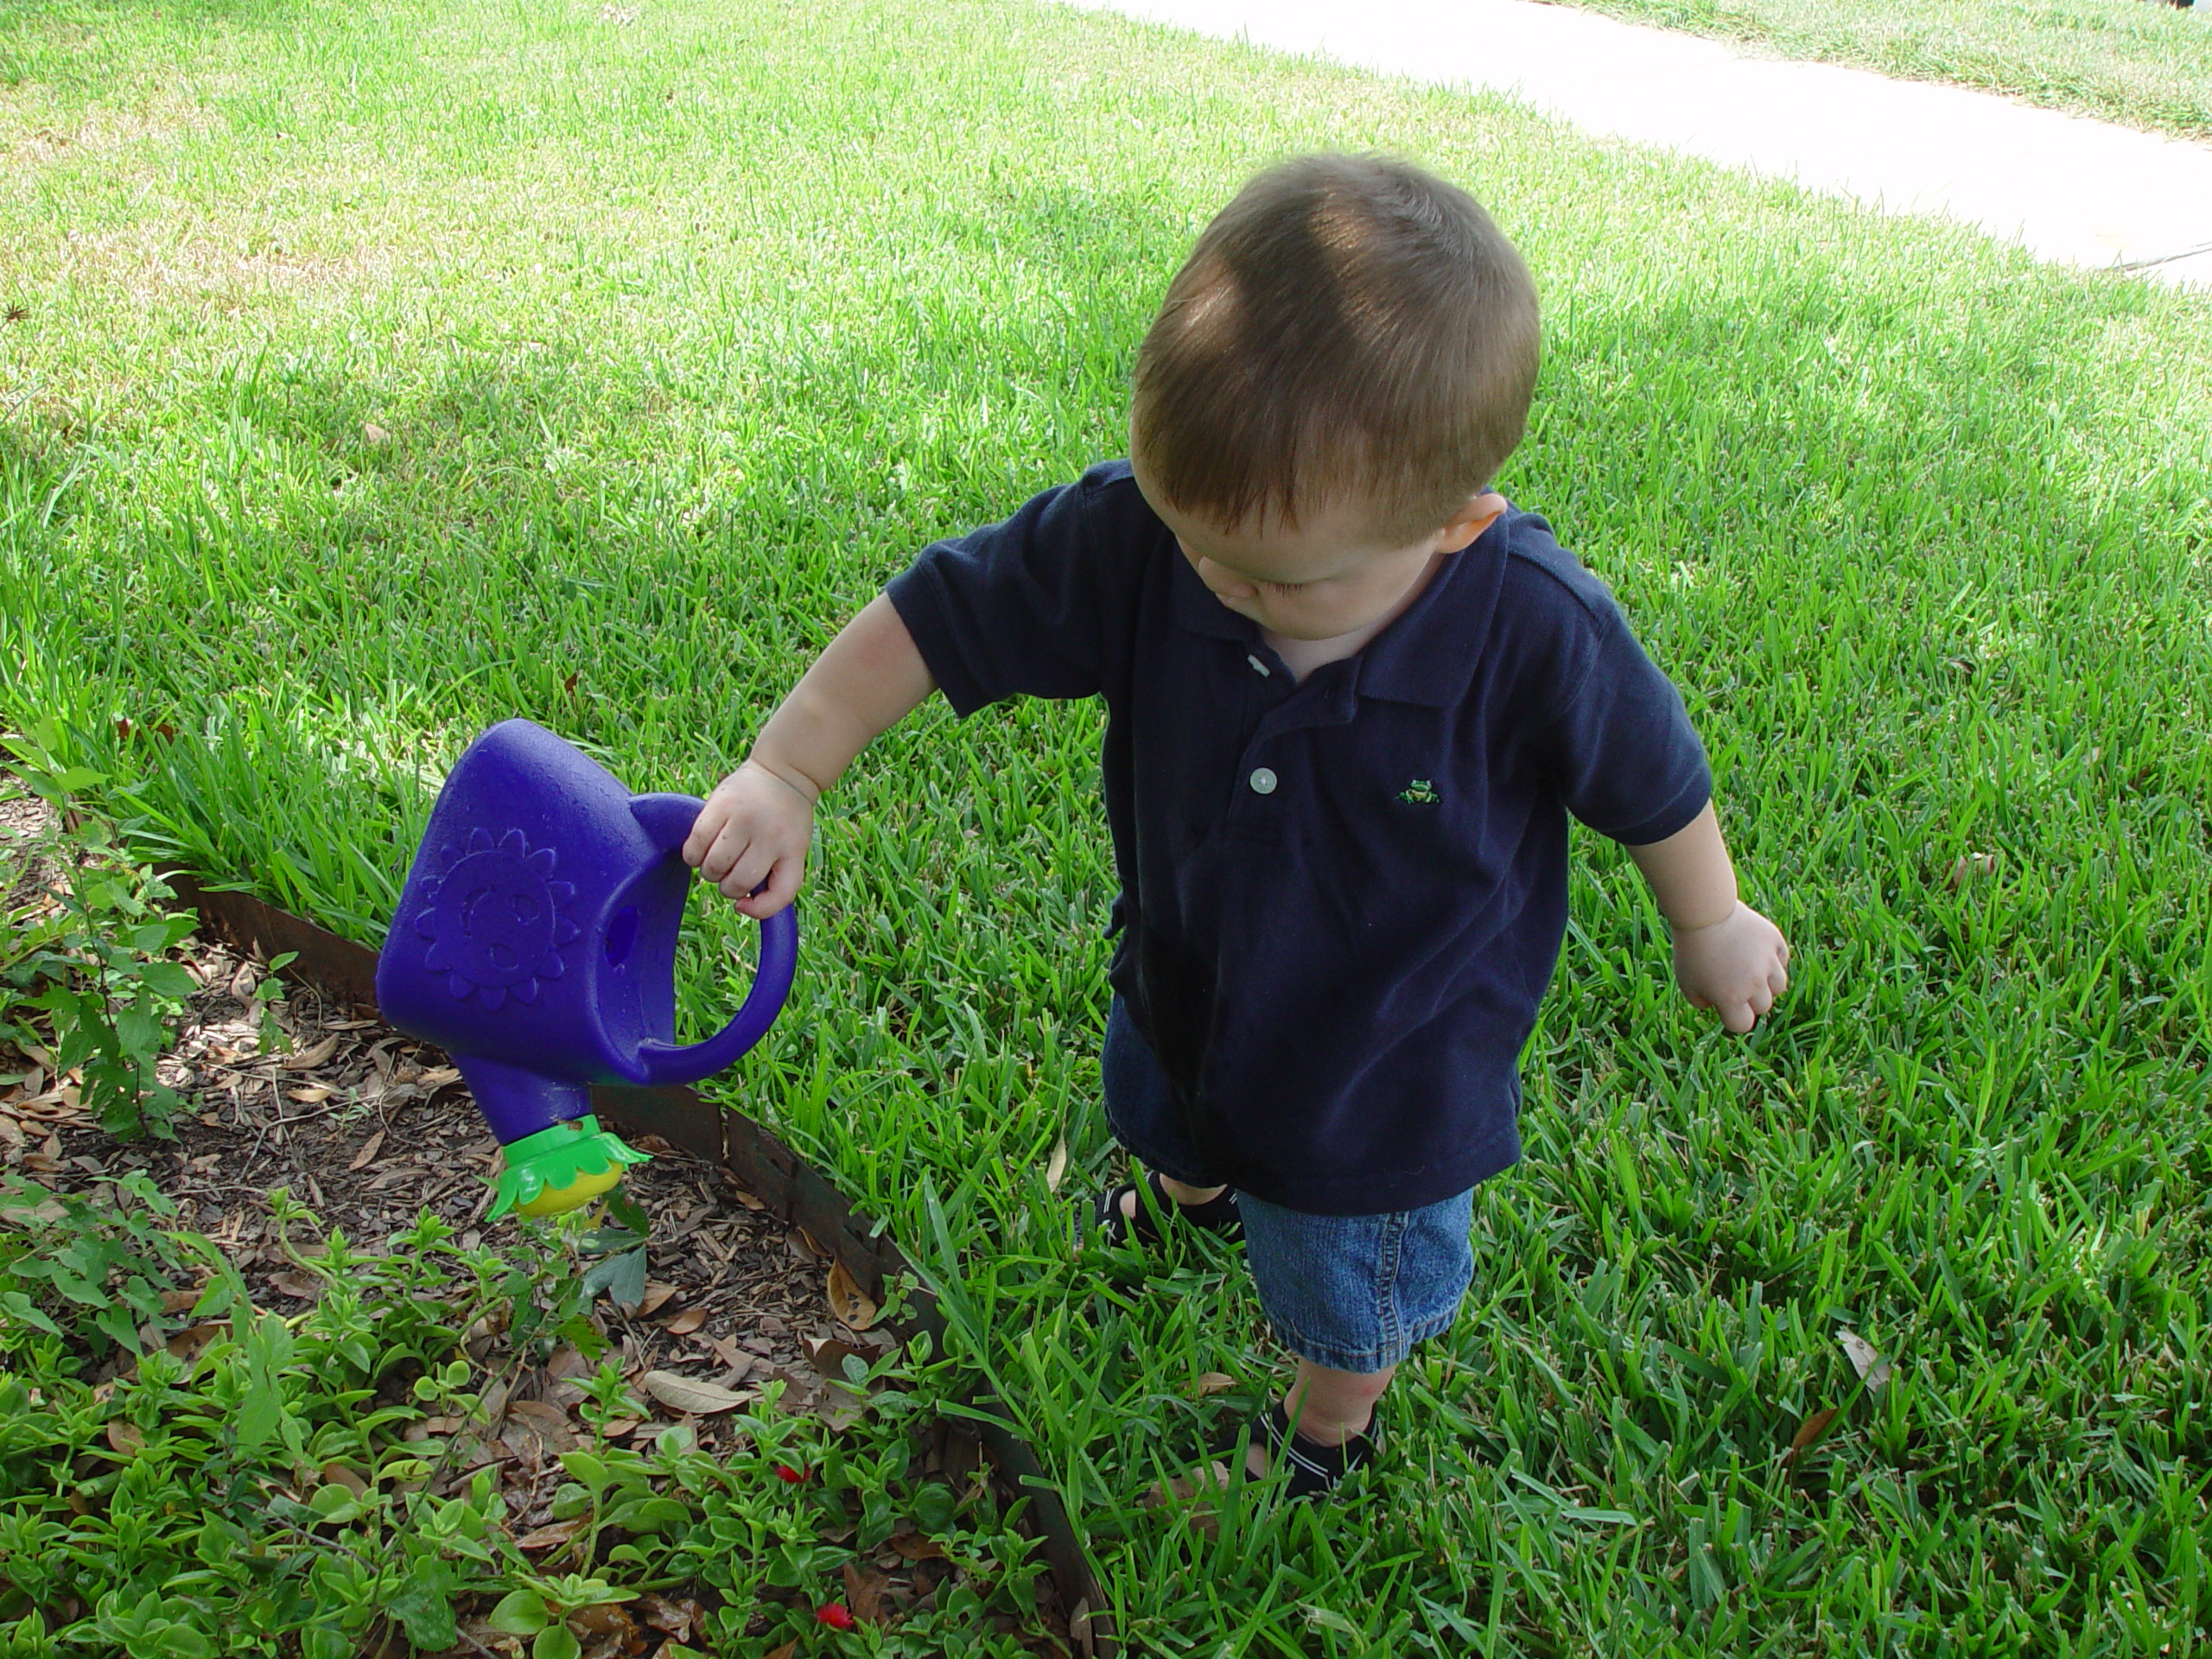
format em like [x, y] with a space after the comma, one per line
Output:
[1341, 899]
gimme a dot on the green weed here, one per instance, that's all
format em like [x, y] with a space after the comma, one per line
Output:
[86, 988]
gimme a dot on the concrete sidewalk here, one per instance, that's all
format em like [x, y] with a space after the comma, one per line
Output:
[2065, 187]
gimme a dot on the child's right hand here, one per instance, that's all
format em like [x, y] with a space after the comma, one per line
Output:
[752, 834]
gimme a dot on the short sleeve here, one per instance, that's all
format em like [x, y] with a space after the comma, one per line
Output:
[1017, 608]
[1624, 756]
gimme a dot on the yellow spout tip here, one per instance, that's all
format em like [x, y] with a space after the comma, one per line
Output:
[558, 1200]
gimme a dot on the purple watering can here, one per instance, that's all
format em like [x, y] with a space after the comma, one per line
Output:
[534, 943]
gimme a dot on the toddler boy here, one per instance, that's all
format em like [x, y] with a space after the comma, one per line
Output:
[1352, 695]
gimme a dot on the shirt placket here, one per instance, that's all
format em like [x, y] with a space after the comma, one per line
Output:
[1267, 785]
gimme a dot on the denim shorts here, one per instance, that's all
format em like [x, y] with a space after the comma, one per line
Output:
[1352, 1293]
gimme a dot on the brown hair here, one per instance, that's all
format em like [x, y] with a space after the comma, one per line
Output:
[1347, 327]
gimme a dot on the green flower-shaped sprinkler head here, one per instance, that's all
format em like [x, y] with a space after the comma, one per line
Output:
[562, 1168]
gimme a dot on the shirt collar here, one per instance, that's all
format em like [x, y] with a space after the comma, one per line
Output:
[1429, 655]
[1425, 657]
[1196, 607]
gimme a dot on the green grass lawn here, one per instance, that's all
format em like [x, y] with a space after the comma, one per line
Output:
[2147, 66]
[378, 372]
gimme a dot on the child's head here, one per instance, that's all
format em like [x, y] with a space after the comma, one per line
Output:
[1350, 337]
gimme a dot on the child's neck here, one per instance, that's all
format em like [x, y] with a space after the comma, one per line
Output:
[1302, 657]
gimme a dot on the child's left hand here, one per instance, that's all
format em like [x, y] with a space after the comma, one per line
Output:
[1738, 965]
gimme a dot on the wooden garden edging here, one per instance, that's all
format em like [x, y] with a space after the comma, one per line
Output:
[791, 1188]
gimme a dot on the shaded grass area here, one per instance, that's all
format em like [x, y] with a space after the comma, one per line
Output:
[386, 372]
[2144, 65]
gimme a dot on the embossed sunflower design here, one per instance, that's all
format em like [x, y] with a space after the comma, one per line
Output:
[493, 919]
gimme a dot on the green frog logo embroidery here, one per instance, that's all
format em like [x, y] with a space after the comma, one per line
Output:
[1420, 792]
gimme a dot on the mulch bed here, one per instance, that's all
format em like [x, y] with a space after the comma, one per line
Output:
[369, 1128]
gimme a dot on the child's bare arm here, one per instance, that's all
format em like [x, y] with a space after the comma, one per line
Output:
[754, 828]
[1728, 956]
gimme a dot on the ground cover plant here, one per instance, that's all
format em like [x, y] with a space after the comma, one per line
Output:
[234, 1421]
[2147, 66]
[381, 372]
[319, 1482]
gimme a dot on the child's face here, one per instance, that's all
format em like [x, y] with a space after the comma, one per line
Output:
[1326, 577]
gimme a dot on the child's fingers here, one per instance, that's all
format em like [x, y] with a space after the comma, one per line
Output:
[781, 887]
[747, 872]
[704, 828]
[722, 853]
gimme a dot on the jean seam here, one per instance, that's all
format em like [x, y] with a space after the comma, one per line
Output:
[1390, 1262]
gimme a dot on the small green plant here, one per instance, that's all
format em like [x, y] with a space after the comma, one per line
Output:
[263, 1486]
[90, 1271]
[87, 989]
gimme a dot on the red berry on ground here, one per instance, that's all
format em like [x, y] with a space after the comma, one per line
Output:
[836, 1614]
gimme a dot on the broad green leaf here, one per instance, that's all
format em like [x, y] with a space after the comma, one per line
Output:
[19, 1307]
[520, 1612]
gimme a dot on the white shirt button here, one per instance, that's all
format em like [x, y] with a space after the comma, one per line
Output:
[1262, 781]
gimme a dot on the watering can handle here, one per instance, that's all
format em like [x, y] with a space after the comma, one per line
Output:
[772, 984]
[667, 818]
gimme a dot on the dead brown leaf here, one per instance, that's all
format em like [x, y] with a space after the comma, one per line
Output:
[337, 1474]
[1195, 1492]
[545, 1537]
[304, 1286]
[1866, 1359]
[656, 1294]
[437, 1077]
[1214, 1382]
[731, 1355]
[677, 1618]
[1056, 1166]
[547, 1419]
[375, 436]
[1969, 866]
[783, 1652]
[313, 1094]
[179, 1301]
[864, 1593]
[915, 1548]
[367, 1155]
[190, 1343]
[686, 1322]
[126, 1438]
[486, 1640]
[746, 1199]
[846, 1301]
[687, 1394]
[308, 1059]
[828, 1355]
[1808, 1433]
[603, 1620]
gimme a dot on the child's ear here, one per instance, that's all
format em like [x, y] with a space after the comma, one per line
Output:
[1468, 524]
